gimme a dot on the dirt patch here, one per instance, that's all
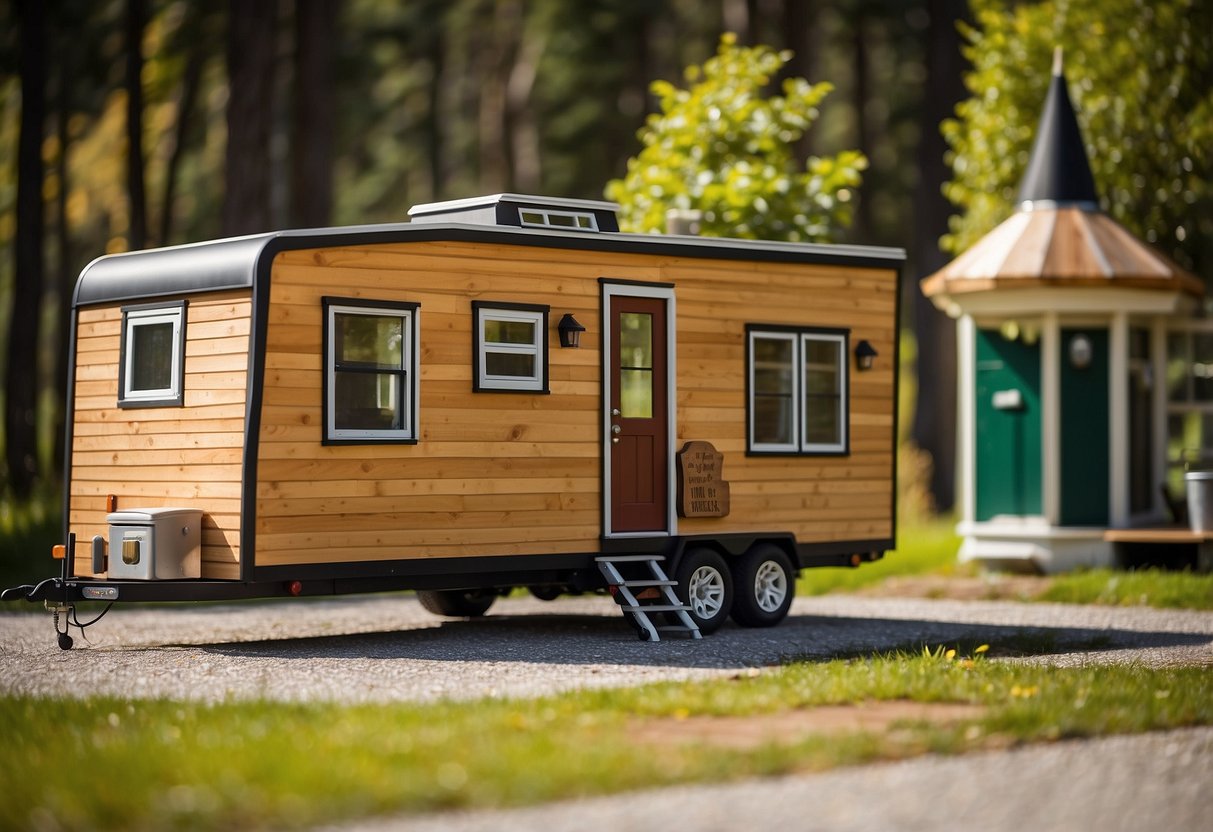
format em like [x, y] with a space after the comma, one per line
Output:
[992, 587]
[747, 732]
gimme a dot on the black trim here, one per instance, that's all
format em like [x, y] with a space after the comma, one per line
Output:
[237, 263]
[619, 281]
[414, 567]
[894, 439]
[180, 306]
[798, 358]
[544, 344]
[69, 423]
[410, 374]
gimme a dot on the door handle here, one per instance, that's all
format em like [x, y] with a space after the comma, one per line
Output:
[615, 429]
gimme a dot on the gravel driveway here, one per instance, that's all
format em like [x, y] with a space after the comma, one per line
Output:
[386, 648]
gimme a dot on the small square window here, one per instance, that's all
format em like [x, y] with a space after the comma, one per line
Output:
[511, 347]
[151, 365]
[370, 371]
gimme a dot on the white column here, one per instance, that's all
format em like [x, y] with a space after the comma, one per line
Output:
[1118, 420]
[966, 347]
[1158, 369]
[1050, 418]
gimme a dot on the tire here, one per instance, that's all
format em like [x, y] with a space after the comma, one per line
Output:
[765, 584]
[457, 603]
[545, 593]
[706, 586]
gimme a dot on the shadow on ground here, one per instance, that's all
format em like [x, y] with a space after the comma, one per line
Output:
[597, 640]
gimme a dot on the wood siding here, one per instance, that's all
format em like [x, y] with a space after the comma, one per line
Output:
[519, 473]
[189, 456]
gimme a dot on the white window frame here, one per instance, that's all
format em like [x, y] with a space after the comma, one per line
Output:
[410, 317]
[582, 221]
[485, 311]
[800, 339]
[134, 317]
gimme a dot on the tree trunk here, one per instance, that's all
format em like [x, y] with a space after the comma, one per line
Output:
[859, 62]
[934, 428]
[251, 40]
[191, 82]
[799, 27]
[21, 378]
[136, 16]
[525, 149]
[315, 113]
[62, 297]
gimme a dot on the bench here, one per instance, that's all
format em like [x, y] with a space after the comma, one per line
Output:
[1168, 536]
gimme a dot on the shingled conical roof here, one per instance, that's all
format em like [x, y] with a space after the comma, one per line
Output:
[1058, 236]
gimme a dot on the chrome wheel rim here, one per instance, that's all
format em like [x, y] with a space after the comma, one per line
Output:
[705, 593]
[770, 586]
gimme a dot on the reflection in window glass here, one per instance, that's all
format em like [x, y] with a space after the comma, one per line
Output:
[370, 373]
[774, 377]
[370, 340]
[520, 365]
[508, 332]
[152, 356]
[823, 391]
[636, 365]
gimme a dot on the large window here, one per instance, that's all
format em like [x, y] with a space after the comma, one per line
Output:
[511, 347]
[151, 366]
[1189, 380]
[370, 380]
[797, 382]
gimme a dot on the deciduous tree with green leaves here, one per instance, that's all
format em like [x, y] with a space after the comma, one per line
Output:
[1140, 73]
[723, 148]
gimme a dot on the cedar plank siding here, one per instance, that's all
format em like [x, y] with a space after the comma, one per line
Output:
[509, 473]
[188, 456]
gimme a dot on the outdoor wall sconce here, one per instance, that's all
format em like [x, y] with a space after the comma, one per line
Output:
[570, 331]
[865, 354]
[1080, 352]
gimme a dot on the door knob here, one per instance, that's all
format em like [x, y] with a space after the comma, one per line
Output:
[615, 429]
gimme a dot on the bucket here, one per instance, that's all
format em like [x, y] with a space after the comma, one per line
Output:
[1200, 500]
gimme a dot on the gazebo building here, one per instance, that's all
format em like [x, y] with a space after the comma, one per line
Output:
[1086, 381]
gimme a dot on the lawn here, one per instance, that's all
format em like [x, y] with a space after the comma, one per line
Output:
[111, 764]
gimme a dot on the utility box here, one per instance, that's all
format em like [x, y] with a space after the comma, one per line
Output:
[155, 543]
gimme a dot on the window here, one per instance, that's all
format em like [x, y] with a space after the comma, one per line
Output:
[1189, 392]
[797, 382]
[511, 347]
[370, 371]
[151, 366]
[547, 218]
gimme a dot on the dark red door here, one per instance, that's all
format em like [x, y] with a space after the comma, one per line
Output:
[639, 430]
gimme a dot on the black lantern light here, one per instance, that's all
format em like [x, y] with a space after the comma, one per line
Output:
[570, 331]
[865, 354]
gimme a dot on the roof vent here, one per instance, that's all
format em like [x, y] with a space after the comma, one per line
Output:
[523, 211]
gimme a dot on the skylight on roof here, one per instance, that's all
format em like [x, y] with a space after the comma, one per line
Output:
[544, 218]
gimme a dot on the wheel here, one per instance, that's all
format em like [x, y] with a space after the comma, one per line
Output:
[766, 585]
[706, 586]
[545, 593]
[458, 603]
[65, 641]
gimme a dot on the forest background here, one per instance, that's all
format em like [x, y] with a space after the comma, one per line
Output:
[128, 124]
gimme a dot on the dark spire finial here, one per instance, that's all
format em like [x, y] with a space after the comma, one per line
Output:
[1058, 170]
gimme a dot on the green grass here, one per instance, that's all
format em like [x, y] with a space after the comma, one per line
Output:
[112, 764]
[929, 548]
[1147, 587]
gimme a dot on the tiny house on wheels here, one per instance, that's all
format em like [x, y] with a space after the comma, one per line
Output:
[504, 392]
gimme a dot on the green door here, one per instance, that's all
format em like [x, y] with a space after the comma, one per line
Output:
[1084, 428]
[1008, 426]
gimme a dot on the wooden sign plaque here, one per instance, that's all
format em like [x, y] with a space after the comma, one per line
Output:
[702, 492]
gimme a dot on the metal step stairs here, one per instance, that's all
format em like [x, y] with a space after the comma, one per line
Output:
[613, 568]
